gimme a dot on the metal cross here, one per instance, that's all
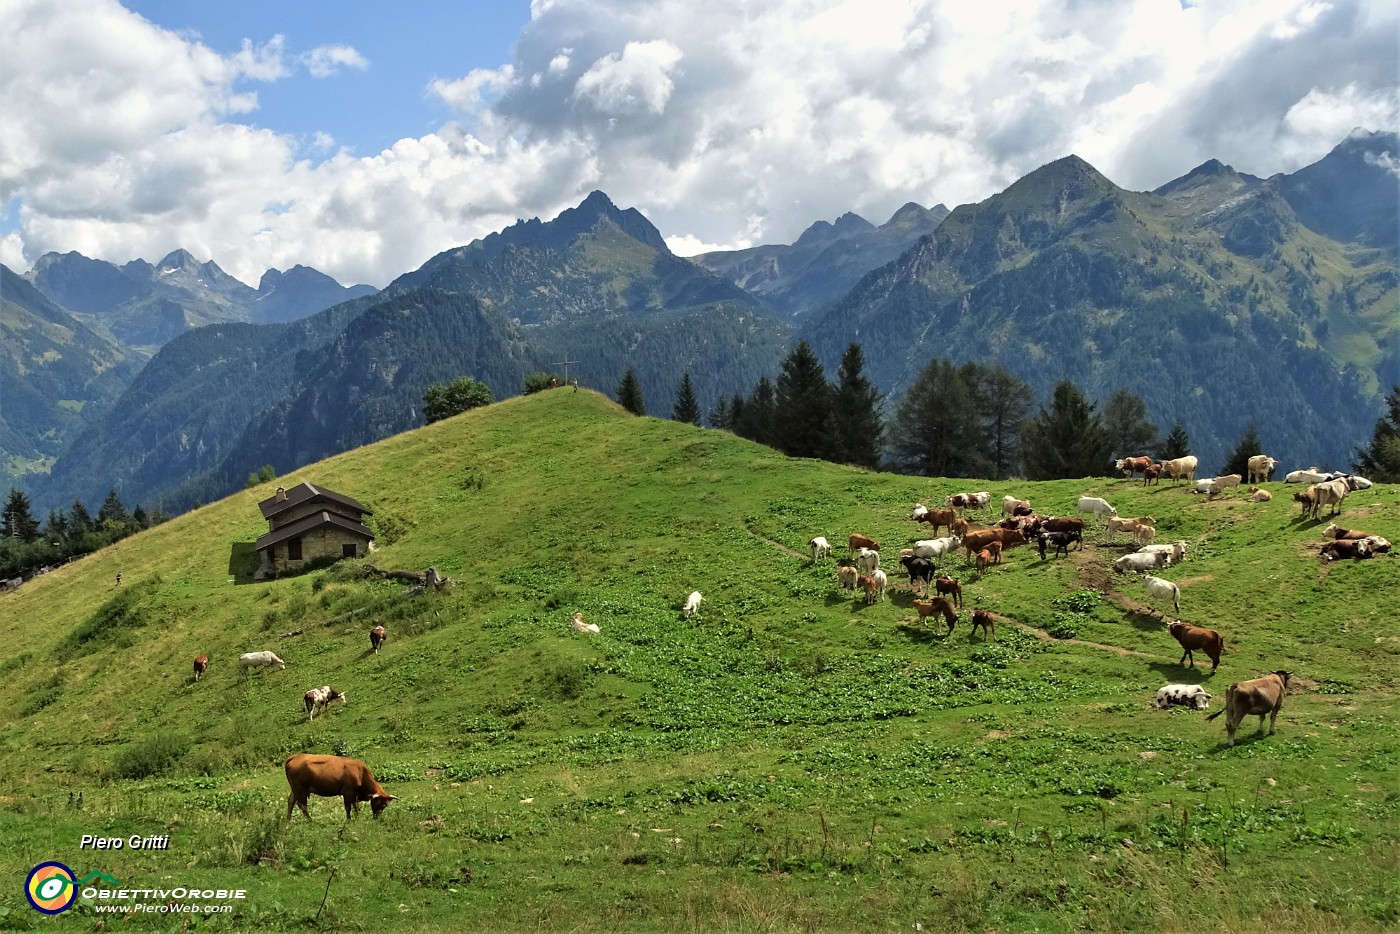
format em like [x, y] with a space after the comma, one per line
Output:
[565, 364]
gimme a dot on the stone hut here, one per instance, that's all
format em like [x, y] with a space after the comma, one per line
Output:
[309, 523]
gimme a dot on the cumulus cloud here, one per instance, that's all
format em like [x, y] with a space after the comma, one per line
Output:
[728, 123]
[327, 60]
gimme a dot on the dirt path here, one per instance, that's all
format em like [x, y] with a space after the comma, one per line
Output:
[778, 545]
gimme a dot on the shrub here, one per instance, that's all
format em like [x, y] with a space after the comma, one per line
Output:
[152, 757]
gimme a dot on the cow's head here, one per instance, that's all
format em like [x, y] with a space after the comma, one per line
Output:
[1284, 675]
[378, 802]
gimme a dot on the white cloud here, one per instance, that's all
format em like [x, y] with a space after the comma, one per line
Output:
[729, 122]
[327, 60]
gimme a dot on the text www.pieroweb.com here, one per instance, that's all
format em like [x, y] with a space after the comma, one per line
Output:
[164, 909]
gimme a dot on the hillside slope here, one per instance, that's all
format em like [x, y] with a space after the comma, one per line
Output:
[788, 759]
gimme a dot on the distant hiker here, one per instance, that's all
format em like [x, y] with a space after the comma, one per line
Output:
[119, 578]
[553, 382]
[575, 385]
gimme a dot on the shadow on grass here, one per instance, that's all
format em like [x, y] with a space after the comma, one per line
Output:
[1147, 622]
[1181, 674]
[242, 562]
[923, 635]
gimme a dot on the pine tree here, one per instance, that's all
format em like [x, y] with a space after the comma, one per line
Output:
[79, 520]
[56, 529]
[754, 419]
[856, 413]
[629, 393]
[113, 513]
[936, 427]
[139, 517]
[687, 407]
[802, 412]
[18, 519]
[1125, 417]
[1238, 461]
[1177, 444]
[1067, 439]
[721, 416]
[1003, 401]
[1380, 460]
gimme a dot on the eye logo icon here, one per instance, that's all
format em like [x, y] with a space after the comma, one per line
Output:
[51, 888]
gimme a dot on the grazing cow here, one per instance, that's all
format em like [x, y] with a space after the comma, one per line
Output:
[1097, 507]
[987, 557]
[934, 548]
[1115, 524]
[201, 664]
[1139, 562]
[320, 698]
[377, 636]
[1159, 589]
[1260, 467]
[11, 583]
[919, 569]
[692, 604]
[1152, 474]
[260, 660]
[847, 576]
[329, 776]
[1060, 541]
[1009, 505]
[1261, 697]
[1197, 637]
[1311, 475]
[938, 518]
[1132, 465]
[1180, 468]
[1256, 495]
[986, 620]
[1183, 695]
[937, 606]
[860, 541]
[1064, 524]
[820, 548]
[867, 560]
[949, 586]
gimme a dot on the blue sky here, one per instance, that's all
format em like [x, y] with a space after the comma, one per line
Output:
[362, 139]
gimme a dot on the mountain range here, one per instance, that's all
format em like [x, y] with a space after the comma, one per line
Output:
[1223, 299]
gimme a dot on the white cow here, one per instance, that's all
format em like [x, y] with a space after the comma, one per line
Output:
[1159, 589]
[692, 604]
[1311, 475]
[820, 548]
[936, 547]
[1207, 486]
[1174, 552]
[1183, 695]
[1180, 468]
[260, 660]
[1009, 504]
[1138, 562]
[1096, 506]
[578, 625]
[1260, 466]
[882, 582]
[1227, 481]
[867, 561]
[920, 510]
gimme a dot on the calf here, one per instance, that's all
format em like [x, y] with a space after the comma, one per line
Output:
[1197, 637]
[919, 569]
[858, 542]
[949, 586]
[1152, 474]
[847, 576]
[820, 548]
[260, 660]
[329, 776]
[1060, 541]
[692, 604]
[935, 607]
[377, 635]
[988, 556]
[1183, 695]
[871, 588]
[867, 560]
[201, 664]
[1261, 697]
[986, 620]
[320, 698]
[1256, 495]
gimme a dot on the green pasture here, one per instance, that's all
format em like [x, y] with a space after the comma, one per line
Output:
[791, 759]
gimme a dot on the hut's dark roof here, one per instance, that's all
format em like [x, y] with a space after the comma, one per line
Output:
[305, 492]
[306, 524]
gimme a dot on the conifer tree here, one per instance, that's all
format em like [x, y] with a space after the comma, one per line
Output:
[1380, 460]
[1125, 417]
[856, 414]
[1238, 461]
[1177, 444]
[936, 429]
[687, 407]
[112, 513]
[754, 419]
[629, 393]
[802, 410]
[79, 520]
[18, 519]
[1003, 401]
[1067, 439]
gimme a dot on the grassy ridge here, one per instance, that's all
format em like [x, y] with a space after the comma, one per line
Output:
[791, 759]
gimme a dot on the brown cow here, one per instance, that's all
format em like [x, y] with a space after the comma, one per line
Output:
[377, 635]
[1064, 524]
[1336, 531]
[938, 518]
[986, 620]
[947, 585]
[936, 606]
[978, 539]
[871, 588]
[847, 576]
[1261, 696]
[1133, 465]
[1197, 637]
[201, 664]
[328, 776]
[1152, 474]
[860, 541]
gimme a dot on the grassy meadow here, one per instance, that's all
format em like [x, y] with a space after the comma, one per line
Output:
[788, 760]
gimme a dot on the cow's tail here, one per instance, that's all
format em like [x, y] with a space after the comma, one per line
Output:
[1216, 714]
[1176, 599]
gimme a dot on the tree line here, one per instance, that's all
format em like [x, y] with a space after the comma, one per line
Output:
[26, 546]
[969, 420]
